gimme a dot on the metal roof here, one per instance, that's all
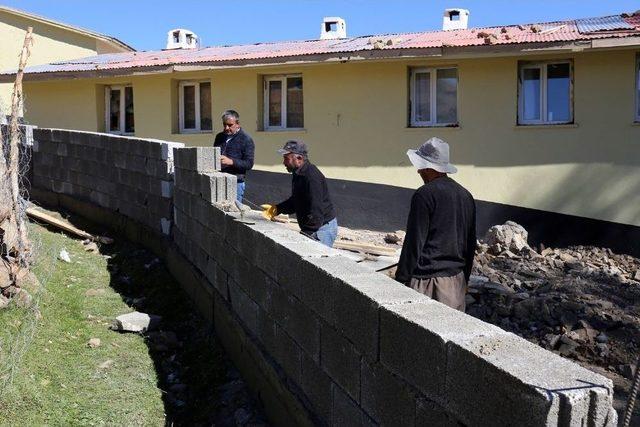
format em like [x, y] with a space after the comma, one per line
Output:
[387, 44]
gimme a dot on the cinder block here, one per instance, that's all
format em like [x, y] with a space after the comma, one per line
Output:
[288, 355]
[341, 360]
[197, 159]
[317, 387]
[413, 333]
[243, 306]
[533, 386]
[386, 398]
[231, 187]
[429, 413]
[346, 412]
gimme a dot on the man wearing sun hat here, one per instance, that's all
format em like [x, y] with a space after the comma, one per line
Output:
[437, 253]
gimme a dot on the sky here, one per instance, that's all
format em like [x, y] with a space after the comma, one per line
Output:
[144, 24]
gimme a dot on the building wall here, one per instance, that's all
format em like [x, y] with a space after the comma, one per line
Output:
[50, 43]
[356, 127]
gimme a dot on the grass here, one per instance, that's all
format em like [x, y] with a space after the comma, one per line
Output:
[48, 373]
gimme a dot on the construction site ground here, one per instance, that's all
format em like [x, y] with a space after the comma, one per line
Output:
[581, 302]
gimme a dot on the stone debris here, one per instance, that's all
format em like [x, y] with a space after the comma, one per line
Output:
[90, 246]
[93, 343]
[397, 237]
[4, 302]
[106, 364]
[135, 322]
[64, 256]
[580, 302]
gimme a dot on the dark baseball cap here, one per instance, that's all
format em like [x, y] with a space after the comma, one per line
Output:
[295, 147]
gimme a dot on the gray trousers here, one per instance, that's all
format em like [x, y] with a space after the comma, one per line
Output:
[447, 290]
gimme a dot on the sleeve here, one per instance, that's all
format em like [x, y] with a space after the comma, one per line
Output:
[471, 243]
[314, 197]
[246, 162]
[417, 233]
[287, 207]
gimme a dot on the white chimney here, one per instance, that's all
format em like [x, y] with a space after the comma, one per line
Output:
[455, 19]
[180, 38]
[333, 27]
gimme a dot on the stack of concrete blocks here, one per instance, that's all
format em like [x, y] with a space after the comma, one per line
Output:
[131, 176]
[199, 186]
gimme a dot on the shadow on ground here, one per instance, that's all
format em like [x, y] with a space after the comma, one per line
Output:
[199, 384]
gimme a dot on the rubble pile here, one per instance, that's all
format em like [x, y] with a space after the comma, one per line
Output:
[581, 302]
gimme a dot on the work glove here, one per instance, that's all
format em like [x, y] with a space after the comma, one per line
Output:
[269, 212]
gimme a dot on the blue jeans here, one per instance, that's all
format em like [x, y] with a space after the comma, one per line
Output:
[327, 233]
[240, 191]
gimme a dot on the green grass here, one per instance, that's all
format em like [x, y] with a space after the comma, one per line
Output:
[48, 373]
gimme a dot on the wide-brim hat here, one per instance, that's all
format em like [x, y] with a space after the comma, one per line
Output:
[433, 154]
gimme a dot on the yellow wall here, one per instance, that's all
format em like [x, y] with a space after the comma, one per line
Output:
[356, 126]
[50, 43]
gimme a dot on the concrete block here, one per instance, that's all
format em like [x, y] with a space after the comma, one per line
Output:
[413, 333]
[340, 359]
[165, 226]
[243, 306]
[386, 398]
[318, 389]
[231, 187]
[60, 135]
[346, 412]
[429, 413]
[533, 386]
[197, 159]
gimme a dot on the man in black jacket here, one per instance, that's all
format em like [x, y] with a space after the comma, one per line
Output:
[309, 199]
[237, 149]
[437, 254]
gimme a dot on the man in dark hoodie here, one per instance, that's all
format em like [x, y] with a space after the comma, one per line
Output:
[237, 149]
[309, 199]
[438, 250]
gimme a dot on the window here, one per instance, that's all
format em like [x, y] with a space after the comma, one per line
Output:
[283, 107]
[119, 110]
[434, 97]
[638, 89]
[195, 107]
[545, 93]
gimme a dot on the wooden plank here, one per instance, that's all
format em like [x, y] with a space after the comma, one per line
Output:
[63, 225]
[364, 248]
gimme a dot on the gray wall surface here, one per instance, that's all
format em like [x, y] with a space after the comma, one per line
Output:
[349, 346]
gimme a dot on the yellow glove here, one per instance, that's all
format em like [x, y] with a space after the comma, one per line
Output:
[269, 212]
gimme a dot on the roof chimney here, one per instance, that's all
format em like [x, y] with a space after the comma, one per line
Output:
[180, 38]
[455, 19]
[333, 27]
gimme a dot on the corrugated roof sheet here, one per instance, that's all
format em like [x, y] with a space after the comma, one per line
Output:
[549, 32]
[606, 23]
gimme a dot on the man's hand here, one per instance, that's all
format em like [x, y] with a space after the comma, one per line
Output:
[226, 161]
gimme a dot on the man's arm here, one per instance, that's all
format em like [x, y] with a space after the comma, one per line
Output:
[246, 162]
[314, 198]
[417, 234]
[471, 244]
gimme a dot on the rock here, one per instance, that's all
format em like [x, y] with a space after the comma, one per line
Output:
[5, 278]
[636, 276]
[627, 371]
[4, 302]
[552, 340]
[498, 288]
[567, 258]
[393, 238]
[22, 298]
[64, 256]
[509, 236]
[567, 346]
[469, 300]
[135, 322]
[546, 252]
[106, 364]
[602, 338]
[603, 349]
[91, 247]
[93, 343]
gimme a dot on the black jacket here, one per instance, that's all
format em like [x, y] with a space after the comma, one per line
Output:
[441, 232]
[240, 148]
[309, 199]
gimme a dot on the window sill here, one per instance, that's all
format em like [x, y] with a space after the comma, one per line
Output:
[291, 130]
[204, 132]
[635, 123]
[548, 126]
[439, 127]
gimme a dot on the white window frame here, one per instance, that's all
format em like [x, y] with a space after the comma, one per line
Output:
[181, 87]
[432, 98]
[543, 67]
[107, 109]
[283, 101]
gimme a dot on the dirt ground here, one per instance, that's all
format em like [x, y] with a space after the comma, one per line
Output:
[581, 302]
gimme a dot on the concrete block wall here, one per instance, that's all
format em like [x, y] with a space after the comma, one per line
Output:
[128, 175]
[349, 346]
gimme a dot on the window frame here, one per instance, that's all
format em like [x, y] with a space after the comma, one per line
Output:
[433, 101]
[637, 112]
[196, 84]
[543, 67]
[282, 78]
[107, 109]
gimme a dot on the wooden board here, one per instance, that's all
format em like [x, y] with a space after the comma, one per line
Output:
[65, 226]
